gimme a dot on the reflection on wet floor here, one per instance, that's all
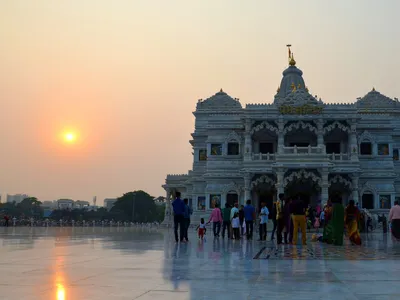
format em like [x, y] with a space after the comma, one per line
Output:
[130, 263]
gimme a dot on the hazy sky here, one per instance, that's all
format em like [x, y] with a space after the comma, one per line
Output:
[126, 75]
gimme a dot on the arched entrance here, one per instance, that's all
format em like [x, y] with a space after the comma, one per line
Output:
[263, 188]
[340, 187]
[303, 184]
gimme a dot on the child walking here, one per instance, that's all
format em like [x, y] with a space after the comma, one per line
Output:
[201, 229]
[236, 226]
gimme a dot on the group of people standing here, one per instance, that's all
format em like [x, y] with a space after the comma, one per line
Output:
[288, 216]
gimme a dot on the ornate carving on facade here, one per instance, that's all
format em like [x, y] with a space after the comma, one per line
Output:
[366, 136]
[232, 187]
[342, 180]
[264, 125]
[367, 187]
[301, 174]
[336, 124]
[233, 136]
[263, 179]
[301, 125]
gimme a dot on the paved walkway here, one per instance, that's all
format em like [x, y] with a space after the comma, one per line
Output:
[130, 263]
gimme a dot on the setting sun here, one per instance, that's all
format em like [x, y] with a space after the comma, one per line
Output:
[69, 137]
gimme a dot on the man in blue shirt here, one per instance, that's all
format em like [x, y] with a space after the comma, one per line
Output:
[263, 221]
[186, 218]
[249, 217]
[179, 209]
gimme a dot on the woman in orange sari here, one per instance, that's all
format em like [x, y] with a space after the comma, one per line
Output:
[351, 218]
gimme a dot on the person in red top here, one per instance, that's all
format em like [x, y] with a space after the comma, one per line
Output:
[216, 218]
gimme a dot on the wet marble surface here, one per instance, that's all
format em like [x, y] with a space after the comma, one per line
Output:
[130, 263]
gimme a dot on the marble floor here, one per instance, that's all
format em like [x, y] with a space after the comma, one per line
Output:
[131, 263]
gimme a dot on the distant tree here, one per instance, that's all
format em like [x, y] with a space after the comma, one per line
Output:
[30, 207]
[136, 206]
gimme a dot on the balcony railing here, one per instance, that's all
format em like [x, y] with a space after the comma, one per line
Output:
[263, 156]
[338, 156]
[302, 150]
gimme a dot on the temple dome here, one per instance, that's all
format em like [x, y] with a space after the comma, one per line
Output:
[220, 100]
[292, 78]
[374, 99]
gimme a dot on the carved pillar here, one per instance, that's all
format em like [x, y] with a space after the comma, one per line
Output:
[324, 186]
[355, 188]
[168, 208]
[353, 142]
[281, 136]
[280, 189]
[320, 135]
[247, 140]
[247, 187]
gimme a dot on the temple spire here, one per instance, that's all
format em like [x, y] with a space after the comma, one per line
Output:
[292, 62]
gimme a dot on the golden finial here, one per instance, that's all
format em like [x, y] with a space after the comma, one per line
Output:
[292, 86]
[299, 86]
[307, 89]
[292, 62]
[278, 90]
[221, 91]
[373, 89]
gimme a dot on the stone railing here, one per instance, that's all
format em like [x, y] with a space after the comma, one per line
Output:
[338, 156]
[263, 156]
[302, 150]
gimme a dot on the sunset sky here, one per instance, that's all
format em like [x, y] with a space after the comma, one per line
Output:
[124, 77]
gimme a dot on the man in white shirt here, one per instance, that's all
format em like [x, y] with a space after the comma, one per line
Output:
[263, 222]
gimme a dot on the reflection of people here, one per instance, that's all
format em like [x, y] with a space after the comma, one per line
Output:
[394, 219]
[287, 217]
[351, 219]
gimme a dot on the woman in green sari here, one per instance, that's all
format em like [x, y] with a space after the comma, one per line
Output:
[334, 229]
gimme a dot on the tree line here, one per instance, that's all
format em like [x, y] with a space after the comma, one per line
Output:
[137, 206]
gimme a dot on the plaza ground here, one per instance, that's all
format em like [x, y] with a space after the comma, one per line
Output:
[134, 263]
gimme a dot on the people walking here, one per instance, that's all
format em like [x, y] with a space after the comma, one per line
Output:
[299, 221]
[179, 209]
[351, 219]
[272, 217]
[234, 210]
[216, 219]
[186, 218]
[394, 219]
[249, 216]
[264, 212]
[226, 220]
[236, 226]
[201, 229]
[287, 217]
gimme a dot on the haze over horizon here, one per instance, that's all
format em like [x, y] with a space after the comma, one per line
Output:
[125, 77]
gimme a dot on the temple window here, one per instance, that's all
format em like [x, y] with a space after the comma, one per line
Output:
[333, 148]
[216, 149]
[384, 202]
[383, 149]
[202, 154]
[368, 201]
[366, 148]
[233, 148]
[266, 148]
[395, 154]
[201, 203]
